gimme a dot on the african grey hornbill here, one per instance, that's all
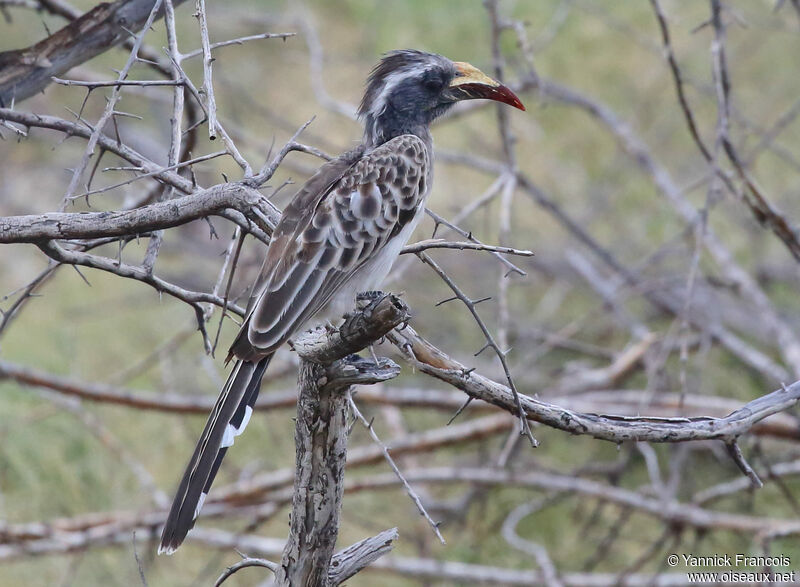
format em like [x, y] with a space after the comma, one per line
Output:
[338, 236]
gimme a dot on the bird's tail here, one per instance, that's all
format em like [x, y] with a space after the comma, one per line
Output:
[228, 419]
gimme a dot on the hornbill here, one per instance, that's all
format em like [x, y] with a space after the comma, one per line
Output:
[339, 236]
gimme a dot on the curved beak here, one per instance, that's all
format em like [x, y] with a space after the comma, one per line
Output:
[471, 83]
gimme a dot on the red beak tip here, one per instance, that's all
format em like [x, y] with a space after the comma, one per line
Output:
[510, 98]
[498, 93]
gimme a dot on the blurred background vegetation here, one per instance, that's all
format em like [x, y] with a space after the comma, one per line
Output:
[53, 465]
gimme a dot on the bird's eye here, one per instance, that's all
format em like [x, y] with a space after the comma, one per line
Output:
[432, 82]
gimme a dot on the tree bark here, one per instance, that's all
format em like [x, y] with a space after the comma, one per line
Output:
[23, 72]
[35, 228]
[327, 371]
[320, 443]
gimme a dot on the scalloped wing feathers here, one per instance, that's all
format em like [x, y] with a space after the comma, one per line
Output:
[341, 219]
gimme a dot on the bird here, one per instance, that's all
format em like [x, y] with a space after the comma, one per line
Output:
[338, 236]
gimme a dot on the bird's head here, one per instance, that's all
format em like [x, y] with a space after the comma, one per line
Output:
[408, 89]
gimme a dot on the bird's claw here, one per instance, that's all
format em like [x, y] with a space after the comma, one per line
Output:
[367, 298]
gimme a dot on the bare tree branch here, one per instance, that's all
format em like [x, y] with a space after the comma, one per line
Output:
[321, 433]
[88, 225]
[432, 361]
[24, 72]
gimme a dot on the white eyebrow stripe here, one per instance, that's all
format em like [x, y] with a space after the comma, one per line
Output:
[391, 81]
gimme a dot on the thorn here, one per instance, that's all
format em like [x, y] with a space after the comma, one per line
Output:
[450, 299]
[78, 271]
[459, 410]
[526, 431]
[483, 348]
[700, 27]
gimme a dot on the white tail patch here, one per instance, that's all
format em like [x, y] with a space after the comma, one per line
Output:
[248, 411]
[227, 438]
[197, 508]
[231, 432]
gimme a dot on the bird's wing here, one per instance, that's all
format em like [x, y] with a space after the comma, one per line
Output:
[327, 233]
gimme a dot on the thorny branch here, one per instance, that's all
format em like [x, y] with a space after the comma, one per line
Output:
[753, 196]
[432, 361]
[412, 494]
[490, 343]
[24, 72]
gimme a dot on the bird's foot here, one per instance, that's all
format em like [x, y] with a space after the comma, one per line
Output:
[365, 298]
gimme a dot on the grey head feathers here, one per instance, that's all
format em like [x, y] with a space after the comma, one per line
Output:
[404, 94]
